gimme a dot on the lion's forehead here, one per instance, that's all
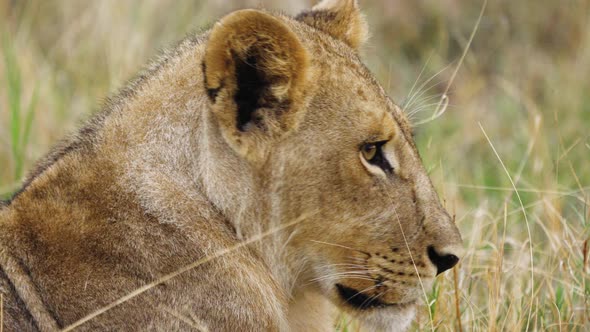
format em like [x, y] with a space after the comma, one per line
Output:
[341, 78]
[370, 99]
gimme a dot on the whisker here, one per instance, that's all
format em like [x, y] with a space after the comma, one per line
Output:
[421, 108]
[338, 278]
[343, 276]
[422, 93]
[345, 273]
[360, 271]
[360, 267]
[413, 116]
[423, 100]
[420, 75]
[362, 259]
[369, 299]
[339, 245]
[440, 110]
[409, 102]
[372, 298]
[447, 107]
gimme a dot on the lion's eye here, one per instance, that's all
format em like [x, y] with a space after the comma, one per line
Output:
[373, 154]
[369, 151]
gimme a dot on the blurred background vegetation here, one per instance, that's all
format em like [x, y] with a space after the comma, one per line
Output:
[525, 83]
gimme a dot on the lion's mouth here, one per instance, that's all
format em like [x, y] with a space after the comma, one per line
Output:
[359, 300]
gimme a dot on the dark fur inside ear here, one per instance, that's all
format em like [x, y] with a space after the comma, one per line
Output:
[255, 71]
[250, 89]
[211, 92]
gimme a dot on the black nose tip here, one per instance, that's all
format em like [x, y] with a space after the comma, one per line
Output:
[442, 262]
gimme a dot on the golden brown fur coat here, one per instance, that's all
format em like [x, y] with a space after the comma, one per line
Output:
[265, 124]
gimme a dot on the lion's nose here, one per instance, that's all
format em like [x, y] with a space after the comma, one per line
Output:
[442, 261]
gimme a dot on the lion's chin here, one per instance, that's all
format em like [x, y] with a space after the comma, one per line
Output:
[374, 314]
[394, 318]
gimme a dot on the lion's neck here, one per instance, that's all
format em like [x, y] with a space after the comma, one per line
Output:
[242, 195]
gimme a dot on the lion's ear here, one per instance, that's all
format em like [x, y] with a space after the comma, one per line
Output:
[255, 70]
[342, 19]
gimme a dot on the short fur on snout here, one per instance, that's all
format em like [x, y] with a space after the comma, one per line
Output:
[266, 128]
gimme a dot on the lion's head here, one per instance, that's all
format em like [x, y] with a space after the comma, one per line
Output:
[312, 135]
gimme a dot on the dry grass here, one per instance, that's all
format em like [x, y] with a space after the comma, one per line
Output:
[509, 157]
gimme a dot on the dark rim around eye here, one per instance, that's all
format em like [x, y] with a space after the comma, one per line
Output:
[378, 159]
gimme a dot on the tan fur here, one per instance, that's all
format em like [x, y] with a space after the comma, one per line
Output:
[256, 124]
[339, 18]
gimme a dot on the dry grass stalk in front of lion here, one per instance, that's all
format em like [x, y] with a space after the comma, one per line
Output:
[505, 80]
[182, 270]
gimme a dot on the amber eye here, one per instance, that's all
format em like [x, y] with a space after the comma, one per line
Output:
[373, 154]
[369, 151]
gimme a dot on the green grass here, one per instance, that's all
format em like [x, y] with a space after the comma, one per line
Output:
[21, 116]
[525, 81]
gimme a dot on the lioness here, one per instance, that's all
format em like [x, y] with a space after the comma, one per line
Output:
[264, 151]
